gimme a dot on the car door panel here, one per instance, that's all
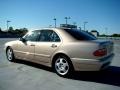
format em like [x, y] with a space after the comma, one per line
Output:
[47, 44]
[25, 50]
[44, 50]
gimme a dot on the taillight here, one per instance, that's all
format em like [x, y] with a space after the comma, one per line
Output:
[100, 52]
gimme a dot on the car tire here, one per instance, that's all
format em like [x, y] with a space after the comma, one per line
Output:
[62, 66]
[10, 54]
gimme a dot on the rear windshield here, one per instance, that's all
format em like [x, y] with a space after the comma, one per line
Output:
[80, 35]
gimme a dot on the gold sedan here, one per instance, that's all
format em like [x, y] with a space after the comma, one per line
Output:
[65, 50]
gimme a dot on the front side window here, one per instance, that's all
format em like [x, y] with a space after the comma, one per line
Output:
[48, 36]
[32, 36]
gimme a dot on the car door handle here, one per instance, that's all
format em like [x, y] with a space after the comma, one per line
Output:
[53, 45]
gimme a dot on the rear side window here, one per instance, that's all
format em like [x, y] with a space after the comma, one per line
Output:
[80, 35]
[48, 36]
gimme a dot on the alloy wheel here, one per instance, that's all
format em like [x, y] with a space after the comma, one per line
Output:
[62, 66]
[9, 54]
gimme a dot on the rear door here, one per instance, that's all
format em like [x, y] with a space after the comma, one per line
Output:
[47, 44]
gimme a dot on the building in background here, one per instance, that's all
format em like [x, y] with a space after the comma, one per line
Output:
[95, 33]
[68, 26]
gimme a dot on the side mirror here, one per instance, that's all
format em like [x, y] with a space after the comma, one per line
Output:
[22, 39]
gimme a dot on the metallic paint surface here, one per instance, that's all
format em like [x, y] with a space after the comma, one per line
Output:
[80, 52]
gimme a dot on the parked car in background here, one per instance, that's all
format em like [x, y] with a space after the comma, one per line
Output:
[63, 49]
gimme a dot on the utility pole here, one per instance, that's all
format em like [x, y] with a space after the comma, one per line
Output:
[66, 19]
[85, 25]
[8, 24]
[55, 21]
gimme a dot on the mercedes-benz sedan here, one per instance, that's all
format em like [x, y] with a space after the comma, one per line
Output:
[65, 50]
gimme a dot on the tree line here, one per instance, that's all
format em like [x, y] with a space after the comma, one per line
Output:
[16, 33]
[13, 33]
[113, 35]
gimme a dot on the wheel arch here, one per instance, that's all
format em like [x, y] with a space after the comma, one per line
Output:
[7, 48]
[58, 54]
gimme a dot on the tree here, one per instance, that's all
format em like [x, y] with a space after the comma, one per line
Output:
[24, 31]
[116, 35]
[11, 30]
[0, 30]
[103, 35]
[20, 32]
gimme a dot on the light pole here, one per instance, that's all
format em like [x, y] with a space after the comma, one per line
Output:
[55, 21]
[8, 24]
[66, 19]
[85, 24]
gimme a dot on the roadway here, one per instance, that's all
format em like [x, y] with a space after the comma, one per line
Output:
[28, 76]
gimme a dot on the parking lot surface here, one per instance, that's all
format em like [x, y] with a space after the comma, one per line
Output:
[22, 75]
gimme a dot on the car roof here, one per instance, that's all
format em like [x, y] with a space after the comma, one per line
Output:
[61, 33]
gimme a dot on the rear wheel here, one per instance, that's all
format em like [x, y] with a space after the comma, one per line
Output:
[10, 54]
[62, 66]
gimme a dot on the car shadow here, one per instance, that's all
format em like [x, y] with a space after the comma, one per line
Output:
[39, 66]
[109, 76]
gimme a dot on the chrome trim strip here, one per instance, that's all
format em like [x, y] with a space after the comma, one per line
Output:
[23, 52]
[36, 54]
[42, 55]
[83, 59]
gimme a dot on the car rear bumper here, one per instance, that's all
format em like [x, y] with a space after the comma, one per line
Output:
[91, 64]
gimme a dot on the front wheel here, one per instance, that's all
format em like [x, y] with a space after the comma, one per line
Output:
[62, 66]
[10, 54]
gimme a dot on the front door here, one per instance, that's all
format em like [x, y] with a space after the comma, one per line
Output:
[25, 50]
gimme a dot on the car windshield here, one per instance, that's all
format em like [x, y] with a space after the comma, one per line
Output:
[80, 35]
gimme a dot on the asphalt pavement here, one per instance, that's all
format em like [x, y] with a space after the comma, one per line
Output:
[22, 75]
